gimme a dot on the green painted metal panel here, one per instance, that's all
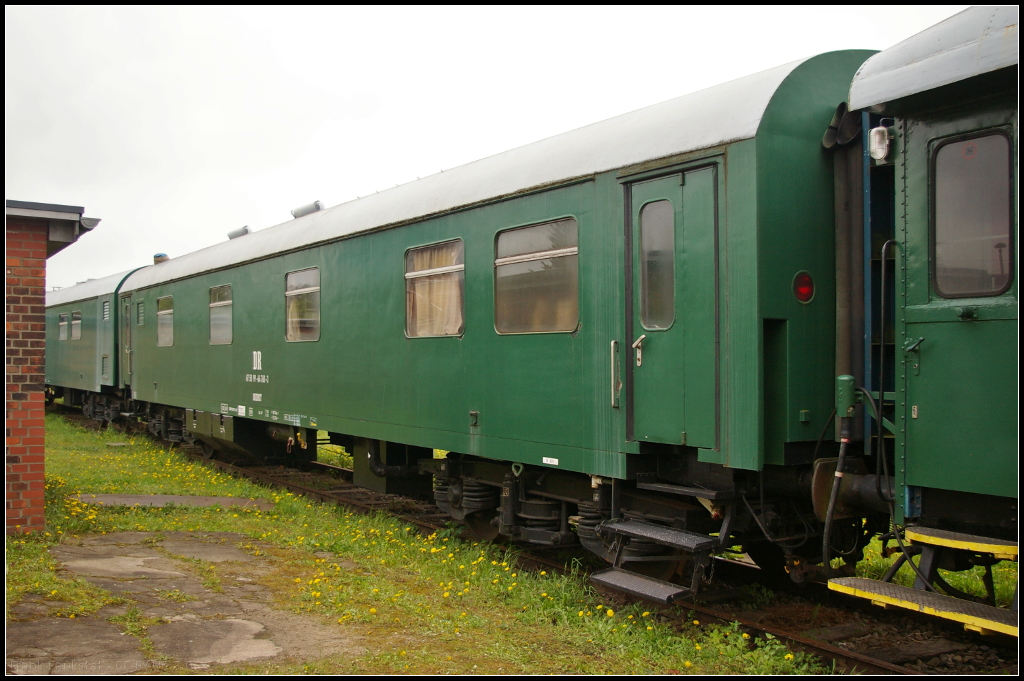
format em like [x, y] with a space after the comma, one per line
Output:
[698, 306]
[538, 395]
[738, 312]
[956, 407]
[796, 233]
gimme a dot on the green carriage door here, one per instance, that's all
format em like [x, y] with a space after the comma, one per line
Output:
[126, 341]
[673, 357]
[961, 343]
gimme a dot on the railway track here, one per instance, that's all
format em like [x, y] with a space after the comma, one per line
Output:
[333, 485]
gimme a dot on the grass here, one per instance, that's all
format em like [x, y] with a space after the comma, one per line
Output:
[422, 604]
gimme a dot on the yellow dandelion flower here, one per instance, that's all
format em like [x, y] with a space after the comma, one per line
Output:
[447, 594]
[696, 621]
[789, 656]
[611, 613]
[746, 635]
[581, 613]
[687, 664]
[646, 614]
[373, 611]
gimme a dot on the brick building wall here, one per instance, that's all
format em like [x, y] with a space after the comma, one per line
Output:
[25, 344]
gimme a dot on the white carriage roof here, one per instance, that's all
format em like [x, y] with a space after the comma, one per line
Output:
[87, 289]
[724, 113]
[975, 41]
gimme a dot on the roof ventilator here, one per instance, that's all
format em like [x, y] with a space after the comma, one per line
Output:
[302, 211]
[241, 231]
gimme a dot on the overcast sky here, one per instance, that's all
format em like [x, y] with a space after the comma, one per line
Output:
[176, 126]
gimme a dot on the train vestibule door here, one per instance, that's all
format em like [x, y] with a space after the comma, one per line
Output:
[957, 355]
[126, 341]
[673, 353]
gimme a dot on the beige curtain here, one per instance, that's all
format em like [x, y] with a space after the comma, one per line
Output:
[434, 303]
[302, 317]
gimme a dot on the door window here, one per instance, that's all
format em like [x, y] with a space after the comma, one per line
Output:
[165, 322]
[657, 265]
[972, 217]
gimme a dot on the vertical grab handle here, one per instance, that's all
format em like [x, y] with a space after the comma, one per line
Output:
[615, 384]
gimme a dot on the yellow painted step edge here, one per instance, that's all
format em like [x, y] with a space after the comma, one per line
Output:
[975, 623]
[1001, 551]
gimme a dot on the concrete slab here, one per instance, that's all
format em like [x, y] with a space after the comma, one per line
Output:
[213, 553]
[200, 627]
[65, 646]
[132, 562]
[212, 641]
[161, 500]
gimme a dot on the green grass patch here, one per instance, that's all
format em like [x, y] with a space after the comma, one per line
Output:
[423, 604]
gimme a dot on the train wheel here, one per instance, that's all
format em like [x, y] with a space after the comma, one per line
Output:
[480, 527]
[208, 451]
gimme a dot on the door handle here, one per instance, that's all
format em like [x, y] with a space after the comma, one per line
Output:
[912, 348]
[638, 345]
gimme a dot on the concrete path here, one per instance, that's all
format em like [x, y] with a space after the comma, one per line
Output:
[193, 625]
[162, 500]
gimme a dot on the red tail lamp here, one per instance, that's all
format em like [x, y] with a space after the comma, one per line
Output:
[803, 287]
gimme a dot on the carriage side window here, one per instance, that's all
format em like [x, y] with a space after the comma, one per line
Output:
[76, 326]
[220, 315]
[973, 217]
[302, 305]
[140, 314]
[106, 310]
[536, 282]
[62, 326]
[435, 283]
[165, 321]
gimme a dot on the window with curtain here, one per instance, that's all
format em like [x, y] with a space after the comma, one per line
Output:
[435, 282]
[302, 305]
[76, 326]
[220, 315]
[536, 280]
[62, 325]
[165, 321]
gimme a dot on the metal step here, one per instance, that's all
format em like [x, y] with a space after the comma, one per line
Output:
[659, 534]
[1001, 548]
[639, 585]
[699, 492]
[974, 616]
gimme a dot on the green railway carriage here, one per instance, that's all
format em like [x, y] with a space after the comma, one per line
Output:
[626, 336]
[82, 340]
[941, 160]
[741, 170]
